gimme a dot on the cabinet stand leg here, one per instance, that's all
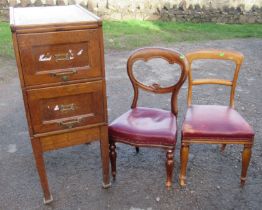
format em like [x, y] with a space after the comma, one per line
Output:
[105, 156]
[40, 165]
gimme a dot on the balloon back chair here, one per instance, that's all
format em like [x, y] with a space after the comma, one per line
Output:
[213, 124]
[149, 127]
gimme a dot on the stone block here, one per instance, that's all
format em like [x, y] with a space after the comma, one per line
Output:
[167, 6]
[91, 5]
[60, 2]
[38, 3]
[241, 8]
[175, 6]
[255, 8]
[251, 19]
[3, 3]
[182, 5]
[49, 2]
[83, 4]
[243, 19]
[25, 3]
[178, 12]
[13, 3]
[70, 2]
[190, 7]
[197, 7]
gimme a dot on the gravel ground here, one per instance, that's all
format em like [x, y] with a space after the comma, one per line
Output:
[75, 173]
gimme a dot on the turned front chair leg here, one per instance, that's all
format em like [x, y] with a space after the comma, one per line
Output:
[169, 167]
[113, 156]
[223, 146]
[137, 149]
[184, 152]
[246, 155]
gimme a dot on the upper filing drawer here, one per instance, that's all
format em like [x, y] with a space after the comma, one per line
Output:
[60, 56]
[67, 106]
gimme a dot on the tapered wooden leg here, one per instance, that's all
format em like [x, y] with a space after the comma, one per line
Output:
[40, 165]
[223, 146]
[184, 151]
[105, 156]
[246, 155]
[137, 149]
[113, 156]
[169, 167]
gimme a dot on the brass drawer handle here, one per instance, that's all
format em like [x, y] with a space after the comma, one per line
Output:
[64, 75]
[62, 57]
[67, 107]
[57, 74]
[70, 123]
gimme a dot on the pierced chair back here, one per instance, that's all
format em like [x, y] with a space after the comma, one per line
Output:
[213, 54]
[172, 57]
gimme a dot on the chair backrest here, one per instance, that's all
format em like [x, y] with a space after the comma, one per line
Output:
[214, 54]
[172, 57]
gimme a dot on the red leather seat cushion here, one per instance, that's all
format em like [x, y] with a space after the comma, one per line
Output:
[146, 126]
[212, 121]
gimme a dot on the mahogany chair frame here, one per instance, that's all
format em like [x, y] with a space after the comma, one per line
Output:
[146, 54]
[214, 54]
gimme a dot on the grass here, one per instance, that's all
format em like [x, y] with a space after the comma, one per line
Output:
[134, 33]
[6, 45]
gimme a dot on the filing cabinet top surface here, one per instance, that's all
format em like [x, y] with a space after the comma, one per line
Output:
[51, 15]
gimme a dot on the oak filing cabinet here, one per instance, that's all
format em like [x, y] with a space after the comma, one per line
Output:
[60, 58]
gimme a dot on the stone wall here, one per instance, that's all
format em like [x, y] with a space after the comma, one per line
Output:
[223, 11]
[202, 14]
[3, 10]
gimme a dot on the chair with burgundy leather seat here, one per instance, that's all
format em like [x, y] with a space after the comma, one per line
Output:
[213, 124]
[150, 127]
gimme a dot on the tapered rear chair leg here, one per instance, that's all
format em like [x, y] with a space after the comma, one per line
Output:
[223, 147]
[113, 155]
[184, 152]
[246, 155]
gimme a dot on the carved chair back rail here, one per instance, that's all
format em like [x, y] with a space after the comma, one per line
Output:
[150, 127]
[234, 56]
[172, 57]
